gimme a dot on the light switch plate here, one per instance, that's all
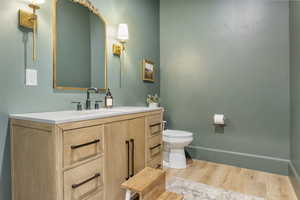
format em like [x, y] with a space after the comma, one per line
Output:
[31, 77]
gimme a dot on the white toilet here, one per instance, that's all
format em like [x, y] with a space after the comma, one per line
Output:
[174, 143]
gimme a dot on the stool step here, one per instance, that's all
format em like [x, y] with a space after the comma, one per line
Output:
[149, 184]
[170, 196]
[144, 180]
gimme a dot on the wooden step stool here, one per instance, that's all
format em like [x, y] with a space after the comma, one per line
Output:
[149, 184]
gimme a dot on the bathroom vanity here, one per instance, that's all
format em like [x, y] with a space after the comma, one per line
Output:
[82, 155]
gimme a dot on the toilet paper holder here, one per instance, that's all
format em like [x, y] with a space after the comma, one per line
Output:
[220, 124]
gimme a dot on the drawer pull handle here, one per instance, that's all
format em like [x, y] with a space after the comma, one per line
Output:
[86, 144]
[128, 164]
[74, 186]
[158, 166]
[132, 157]
[154, 147]
[158, 124]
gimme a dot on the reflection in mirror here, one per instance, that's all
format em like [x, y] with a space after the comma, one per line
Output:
[80, 53]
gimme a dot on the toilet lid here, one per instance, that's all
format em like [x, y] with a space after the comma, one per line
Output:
[177, 133]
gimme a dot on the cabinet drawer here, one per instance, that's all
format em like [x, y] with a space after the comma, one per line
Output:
[155, 125]
[84, 182]
[81, 144]
[154, 147]
[98, 196]
[156, 162]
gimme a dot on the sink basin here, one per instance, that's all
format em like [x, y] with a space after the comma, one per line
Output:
[129, 109]
[95, 112]
[103, 111]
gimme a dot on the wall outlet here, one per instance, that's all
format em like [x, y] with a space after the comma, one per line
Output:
[31, 77]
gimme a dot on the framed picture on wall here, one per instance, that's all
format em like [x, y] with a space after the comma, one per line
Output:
[148, 71]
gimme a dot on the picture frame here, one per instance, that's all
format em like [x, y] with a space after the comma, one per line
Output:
[148, 71]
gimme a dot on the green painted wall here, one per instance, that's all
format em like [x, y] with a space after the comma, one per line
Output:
[228, 57]
[295, 93]
[143, 19]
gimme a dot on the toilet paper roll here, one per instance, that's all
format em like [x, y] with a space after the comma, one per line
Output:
[219, 119]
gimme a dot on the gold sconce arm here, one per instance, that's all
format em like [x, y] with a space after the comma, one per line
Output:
[118, 48]
[29, 21]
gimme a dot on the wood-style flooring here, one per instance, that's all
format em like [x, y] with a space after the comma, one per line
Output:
[251, 182]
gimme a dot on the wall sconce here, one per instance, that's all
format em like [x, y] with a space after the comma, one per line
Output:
[123, 37]
[29, 21]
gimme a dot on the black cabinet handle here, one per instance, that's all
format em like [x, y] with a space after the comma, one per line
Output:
[158, 166]
[157, 124]
[154, 147]
[86, 144]
[132, 157]
[74, 186]
[128, 164]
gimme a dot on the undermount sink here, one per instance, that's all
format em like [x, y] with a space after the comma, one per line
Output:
[128, 108]
[93, 112]
[107, 110]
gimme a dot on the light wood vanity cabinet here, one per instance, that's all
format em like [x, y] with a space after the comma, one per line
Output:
[84, 181]
[126, 149]
[154, 144]
[81, 144]
[85, 160]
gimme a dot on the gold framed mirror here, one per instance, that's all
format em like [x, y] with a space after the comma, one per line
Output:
[79, 42]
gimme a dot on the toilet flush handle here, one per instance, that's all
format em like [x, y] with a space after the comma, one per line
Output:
[165, 125]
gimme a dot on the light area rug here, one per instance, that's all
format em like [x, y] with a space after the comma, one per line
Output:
[198, 191]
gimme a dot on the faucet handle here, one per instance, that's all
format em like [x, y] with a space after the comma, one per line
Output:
[97, 106]
[79, 106]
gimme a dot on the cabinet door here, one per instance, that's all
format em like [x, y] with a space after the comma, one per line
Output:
[116, 159]
[136, 129]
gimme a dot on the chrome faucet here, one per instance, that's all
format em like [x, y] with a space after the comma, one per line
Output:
[88, 100]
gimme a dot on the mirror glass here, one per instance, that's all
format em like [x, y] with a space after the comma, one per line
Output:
[80, 46]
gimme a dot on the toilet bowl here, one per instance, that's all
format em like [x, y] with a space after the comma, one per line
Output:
[174, 143]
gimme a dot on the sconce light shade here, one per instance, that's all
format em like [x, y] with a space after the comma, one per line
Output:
[36, 2]
[122, 37]
[123, 34]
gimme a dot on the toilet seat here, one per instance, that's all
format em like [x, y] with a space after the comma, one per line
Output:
[177, 134]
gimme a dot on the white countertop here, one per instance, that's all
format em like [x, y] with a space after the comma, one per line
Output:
[72, 116]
